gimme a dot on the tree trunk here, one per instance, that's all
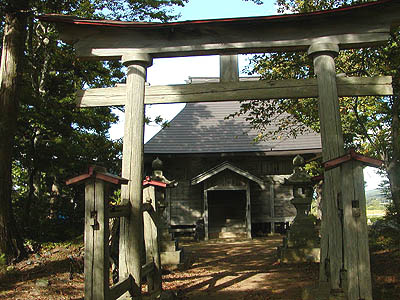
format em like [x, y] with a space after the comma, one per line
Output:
[11, 60]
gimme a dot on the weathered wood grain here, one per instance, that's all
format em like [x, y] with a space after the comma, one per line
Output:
[96, 263]
[364, 267]
[332, 147]
[89, 240]
[121, 287]
[148, 268]
[101, 272]
[350, 236]
[272, 206]
[355, 233]
[349, 29]
[205, 215]
[151, 239]
[228, 68]
[228, 91]
[118, 211]
[131, 230]
[248, 211]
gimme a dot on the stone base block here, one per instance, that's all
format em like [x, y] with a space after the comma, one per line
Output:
[227, 235]
[294, 255]
[169, 246]
[317, 292]
[322, 291]
[171, 257]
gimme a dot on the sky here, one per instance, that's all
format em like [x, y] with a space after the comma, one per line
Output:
[184, 67]
[206, 66]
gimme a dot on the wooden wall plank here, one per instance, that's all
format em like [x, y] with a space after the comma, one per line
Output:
[248, 211]
[205, 215]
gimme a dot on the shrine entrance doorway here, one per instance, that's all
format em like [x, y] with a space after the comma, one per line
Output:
[227, 213]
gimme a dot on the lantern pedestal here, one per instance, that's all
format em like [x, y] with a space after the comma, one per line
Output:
[170, 253]
[302, 241]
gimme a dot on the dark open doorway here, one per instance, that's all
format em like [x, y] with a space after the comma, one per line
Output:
[227, 213]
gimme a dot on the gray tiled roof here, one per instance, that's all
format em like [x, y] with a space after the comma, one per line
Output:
[202, 128]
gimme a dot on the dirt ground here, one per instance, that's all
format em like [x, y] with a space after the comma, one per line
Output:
[239, 269]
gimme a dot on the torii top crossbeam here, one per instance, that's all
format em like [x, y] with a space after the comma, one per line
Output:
[349, 27]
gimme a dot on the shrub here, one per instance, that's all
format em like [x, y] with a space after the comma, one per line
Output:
[3, 261]
[385, 232]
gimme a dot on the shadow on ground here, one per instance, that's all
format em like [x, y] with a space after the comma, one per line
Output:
[245, 269]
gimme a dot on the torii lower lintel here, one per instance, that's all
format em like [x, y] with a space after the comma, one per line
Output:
[244, 90]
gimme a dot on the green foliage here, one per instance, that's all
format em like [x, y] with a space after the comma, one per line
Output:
[115, 199]
[304, 6]
[55, 140]
[385, 232]
[370, 124]
[258, 2]
[3, 261]
[75, 242]
[375, 204]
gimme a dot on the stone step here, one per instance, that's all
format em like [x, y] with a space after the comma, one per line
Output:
[234, 221]
[233, 229]
[227, 235]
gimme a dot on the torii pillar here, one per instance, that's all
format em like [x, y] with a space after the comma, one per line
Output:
[344, 260]
[131, 230]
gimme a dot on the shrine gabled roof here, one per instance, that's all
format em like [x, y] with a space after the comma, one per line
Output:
[58, 18]
[202, 128]
[226, 166]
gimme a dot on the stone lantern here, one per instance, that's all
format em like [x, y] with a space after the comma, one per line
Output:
[171, 254]
[302, 240]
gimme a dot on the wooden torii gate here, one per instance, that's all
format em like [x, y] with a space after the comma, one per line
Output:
[345, 256]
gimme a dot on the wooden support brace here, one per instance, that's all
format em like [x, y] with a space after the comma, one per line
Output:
[127, 285]
[147, 207]
[120, 211]
[148, 268]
